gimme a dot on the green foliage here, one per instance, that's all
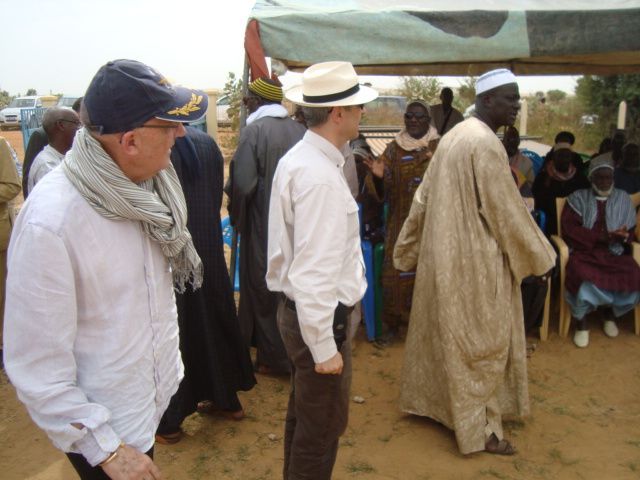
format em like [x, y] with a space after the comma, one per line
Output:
[556, 96]
[5, 98]
[233, 88]
[421, 88]
[30, 92]
[466, 95]
[601, 95]
[548, 118]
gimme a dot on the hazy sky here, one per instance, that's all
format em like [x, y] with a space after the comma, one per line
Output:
[56, 46]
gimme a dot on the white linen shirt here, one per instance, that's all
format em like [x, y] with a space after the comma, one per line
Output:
[48, 159]
[314, 254]
[91, 332]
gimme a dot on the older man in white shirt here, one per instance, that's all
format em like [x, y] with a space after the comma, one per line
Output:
[91, 334]
[61, 125]
[315, 261]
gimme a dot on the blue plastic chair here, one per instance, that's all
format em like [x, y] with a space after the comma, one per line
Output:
[541, 219]
[368, 301]
[227, 235]
[536, 159]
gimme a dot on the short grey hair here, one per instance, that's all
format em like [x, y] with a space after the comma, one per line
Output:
[315, 115]
[51, 116]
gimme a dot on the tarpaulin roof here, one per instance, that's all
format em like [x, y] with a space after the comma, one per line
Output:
[454, 37]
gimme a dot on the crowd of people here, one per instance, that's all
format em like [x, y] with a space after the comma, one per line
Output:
[120, 319]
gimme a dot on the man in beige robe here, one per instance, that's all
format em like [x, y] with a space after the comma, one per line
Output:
[473, 241]
[9, 189]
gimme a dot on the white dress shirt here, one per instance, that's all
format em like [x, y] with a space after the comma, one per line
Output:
[91, 332]
[48, 159]
[314, 254]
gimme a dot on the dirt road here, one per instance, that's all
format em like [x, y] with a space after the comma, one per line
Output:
[584, 424]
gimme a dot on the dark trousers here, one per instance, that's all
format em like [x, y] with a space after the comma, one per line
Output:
[87, 472]
[318, 408]
[534, 294]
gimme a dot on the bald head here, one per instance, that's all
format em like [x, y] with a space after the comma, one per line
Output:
[55, 114]
[61, 125]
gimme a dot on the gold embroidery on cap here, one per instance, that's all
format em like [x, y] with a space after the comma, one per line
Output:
[188, 108]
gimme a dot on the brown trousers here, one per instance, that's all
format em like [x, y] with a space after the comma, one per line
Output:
[318, 408]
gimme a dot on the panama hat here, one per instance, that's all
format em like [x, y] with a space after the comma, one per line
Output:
[330, 84]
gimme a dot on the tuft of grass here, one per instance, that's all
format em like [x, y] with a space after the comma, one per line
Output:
[384, 438]
[557, 455]
[633, 466]
[242, 454]
[199, 467]
[360, 467]
[562, 410]
[490, 472]
[538, 398]
[633, 443]
[347, 442]
[527, 467]
[385, 376]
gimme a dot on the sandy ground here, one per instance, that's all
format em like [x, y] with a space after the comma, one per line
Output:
[584, 424]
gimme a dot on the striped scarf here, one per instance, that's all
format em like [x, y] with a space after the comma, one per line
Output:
[158, 203]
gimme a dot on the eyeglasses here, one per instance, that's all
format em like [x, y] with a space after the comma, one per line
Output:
[77, 123]
[416, 115]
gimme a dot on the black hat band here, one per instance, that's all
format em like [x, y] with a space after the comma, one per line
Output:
[331, 97]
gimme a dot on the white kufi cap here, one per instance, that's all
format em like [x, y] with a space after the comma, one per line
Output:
[494, 79]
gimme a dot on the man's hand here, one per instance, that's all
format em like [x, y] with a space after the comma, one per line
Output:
[619, 235]
[333, 366]
[130, 464]
[375, 165]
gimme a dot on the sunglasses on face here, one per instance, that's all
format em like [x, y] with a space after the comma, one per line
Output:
[416, 115]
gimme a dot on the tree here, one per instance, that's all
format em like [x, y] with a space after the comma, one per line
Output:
[556, 96]
[233, 89]
[5, 98]
[601, 95]
[421, 88]
[31, 92]
[466, 94]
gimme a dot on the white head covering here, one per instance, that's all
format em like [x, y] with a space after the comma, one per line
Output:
[331, 84]
[601, 161]
[493, 79]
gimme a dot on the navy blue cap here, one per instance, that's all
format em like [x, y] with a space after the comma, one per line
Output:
[125, 94]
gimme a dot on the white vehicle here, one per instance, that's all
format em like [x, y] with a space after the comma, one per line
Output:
[67, 101]
[10, 116]
[222, 105]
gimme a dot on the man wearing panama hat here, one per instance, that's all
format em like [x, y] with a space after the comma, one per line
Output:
[315, 262]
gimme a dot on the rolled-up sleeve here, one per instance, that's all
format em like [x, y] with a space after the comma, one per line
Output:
[39, 336]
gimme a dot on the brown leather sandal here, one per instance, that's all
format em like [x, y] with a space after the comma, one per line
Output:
[169, 438]
[499, 447]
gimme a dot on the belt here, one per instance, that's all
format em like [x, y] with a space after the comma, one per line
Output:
[291, 305]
